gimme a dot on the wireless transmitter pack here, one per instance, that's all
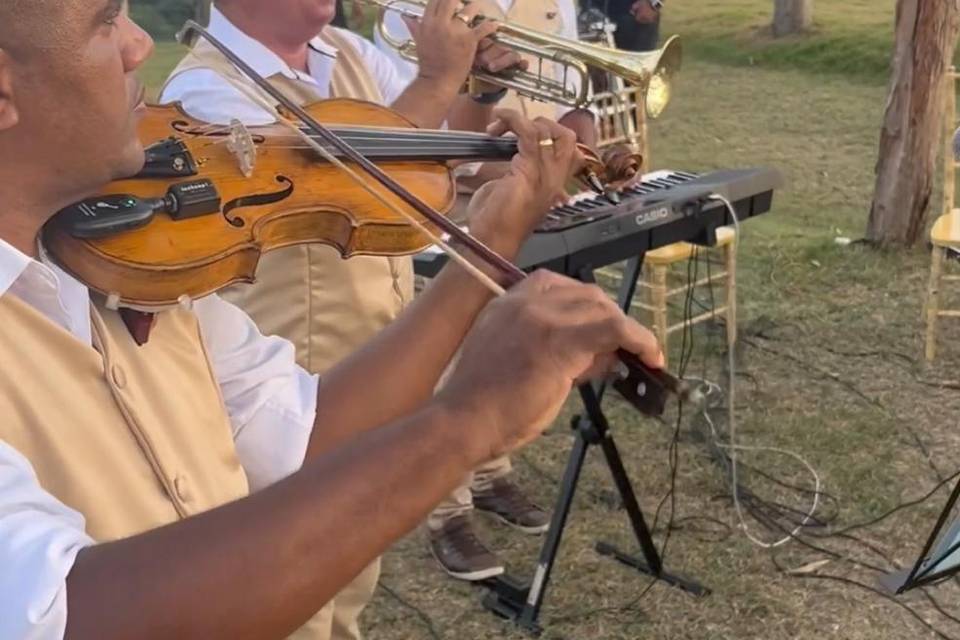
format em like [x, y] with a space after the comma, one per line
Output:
[108, 215]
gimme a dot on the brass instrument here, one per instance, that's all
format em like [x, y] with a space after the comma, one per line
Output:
[618, 106]
[651, 71]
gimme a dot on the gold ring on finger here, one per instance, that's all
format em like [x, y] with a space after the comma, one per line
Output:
[547, 142]
[459, 15]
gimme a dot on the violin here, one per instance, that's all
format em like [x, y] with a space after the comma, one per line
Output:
[211, 199]
[253, 190]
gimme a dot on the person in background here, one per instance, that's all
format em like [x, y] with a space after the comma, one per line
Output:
[340, 20]
[490, 489]
[638, 23]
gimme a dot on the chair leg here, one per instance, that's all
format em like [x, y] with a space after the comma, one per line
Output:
[933, 301]
[730, 258]
[659, 292]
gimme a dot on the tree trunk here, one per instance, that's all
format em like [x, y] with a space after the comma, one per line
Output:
[791, 16]
[926, 35]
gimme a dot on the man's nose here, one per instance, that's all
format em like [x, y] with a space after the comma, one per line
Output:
[137, 46]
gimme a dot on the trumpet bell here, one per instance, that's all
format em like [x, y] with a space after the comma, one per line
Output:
[660, 85]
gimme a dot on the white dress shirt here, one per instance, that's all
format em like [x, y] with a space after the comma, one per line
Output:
[207, 96]
[396, 29]
[270, 400]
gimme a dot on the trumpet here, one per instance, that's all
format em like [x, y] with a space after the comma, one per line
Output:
[652, 70]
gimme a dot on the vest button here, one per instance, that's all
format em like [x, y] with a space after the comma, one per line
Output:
[182, 487]
[119, 376]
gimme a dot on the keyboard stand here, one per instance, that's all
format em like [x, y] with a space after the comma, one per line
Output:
[521, 601]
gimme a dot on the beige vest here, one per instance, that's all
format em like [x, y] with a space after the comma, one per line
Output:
[543, 16]
[131, 437]
[326, 306]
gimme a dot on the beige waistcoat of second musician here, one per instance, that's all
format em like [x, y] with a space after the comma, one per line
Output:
[325, 305]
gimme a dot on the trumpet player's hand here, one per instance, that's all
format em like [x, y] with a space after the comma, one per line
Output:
[527, 350]
[495, 58]
[505, 211]
[448, 40]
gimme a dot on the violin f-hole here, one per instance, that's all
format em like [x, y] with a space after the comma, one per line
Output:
[257, 200]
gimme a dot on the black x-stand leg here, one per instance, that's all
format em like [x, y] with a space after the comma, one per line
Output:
[521, 601]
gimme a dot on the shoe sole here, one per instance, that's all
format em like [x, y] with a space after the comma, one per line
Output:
[533, 531]
[470, 576]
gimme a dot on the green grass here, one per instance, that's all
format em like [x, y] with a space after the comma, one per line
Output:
[155, 71]
[823, 378]
[853, 37]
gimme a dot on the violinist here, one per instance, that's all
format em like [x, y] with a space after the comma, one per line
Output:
[325, 306]
[188, 488]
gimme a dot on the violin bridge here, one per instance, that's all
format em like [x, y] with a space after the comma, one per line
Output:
[241, 145]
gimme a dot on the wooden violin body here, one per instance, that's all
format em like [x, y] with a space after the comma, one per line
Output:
[274, 192]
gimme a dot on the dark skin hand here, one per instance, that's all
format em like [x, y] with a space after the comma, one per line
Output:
[503, 214]
[405, 450]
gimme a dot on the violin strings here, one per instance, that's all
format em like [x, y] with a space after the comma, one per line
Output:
[409, 153]
[454, 255]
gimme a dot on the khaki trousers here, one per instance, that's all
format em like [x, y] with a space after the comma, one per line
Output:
[460, 502]
[340, 618]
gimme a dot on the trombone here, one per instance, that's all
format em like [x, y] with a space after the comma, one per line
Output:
[652, 71]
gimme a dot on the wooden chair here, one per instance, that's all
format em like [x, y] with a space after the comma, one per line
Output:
[658, 289]
[620, 108]
[945, 234]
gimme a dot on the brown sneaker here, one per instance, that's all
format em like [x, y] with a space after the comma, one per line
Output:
[461, 554]
[509, 504]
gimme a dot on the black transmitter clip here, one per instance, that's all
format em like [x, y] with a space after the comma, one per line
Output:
[108, 215]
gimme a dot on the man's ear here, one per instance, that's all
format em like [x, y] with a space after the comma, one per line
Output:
[9, 116]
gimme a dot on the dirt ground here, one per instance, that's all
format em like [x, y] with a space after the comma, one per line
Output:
[829, 367]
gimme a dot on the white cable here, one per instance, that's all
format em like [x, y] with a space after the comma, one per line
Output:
[732, 447]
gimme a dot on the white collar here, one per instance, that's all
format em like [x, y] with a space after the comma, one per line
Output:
[47, 288]
[259, 57]
[13, 263]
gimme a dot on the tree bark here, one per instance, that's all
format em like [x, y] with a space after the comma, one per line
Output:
[791, 16]
[926, 35]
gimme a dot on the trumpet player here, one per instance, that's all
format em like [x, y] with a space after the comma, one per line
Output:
[328, 307]
[451, 532]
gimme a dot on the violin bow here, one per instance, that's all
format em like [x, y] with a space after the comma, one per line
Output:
[645, 388]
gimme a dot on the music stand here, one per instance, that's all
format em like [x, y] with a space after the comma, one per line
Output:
[940, 557]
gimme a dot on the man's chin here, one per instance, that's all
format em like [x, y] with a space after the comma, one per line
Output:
[131, 164]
